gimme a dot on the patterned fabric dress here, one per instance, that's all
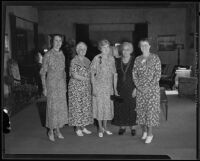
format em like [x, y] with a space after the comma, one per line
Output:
[55, 82]
[103, 69]
[124, 112]
[146, 74]
[79, 92]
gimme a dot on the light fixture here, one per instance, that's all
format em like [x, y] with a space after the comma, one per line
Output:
[179, 46]
[45, 50]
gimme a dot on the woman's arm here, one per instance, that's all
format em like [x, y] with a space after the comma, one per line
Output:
[157, 74]
[135, 76]
[115, 76]
[93, 71]
[81, 78]
[115, 84]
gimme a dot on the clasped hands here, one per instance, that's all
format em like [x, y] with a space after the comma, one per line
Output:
[133, 93]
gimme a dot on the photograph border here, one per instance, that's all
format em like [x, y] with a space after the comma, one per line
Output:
[14, 156]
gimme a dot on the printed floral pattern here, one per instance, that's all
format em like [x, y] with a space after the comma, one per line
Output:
[55, 83]
[146, 75]
[80, 101]
[103, 69]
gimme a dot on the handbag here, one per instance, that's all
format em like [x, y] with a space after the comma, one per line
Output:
[116, 98]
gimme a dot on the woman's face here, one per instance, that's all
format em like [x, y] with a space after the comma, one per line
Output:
[126, 52]
[57, 42]
[144, 46]
[105, 49]
[81, 50]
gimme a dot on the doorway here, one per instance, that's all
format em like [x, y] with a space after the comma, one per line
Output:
[84, 34]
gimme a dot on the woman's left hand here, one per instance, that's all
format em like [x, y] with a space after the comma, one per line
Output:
[116, 93]
[134, 93]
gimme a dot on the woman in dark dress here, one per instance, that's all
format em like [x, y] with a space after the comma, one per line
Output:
[124, 111]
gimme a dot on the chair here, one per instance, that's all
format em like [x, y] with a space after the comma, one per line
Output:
[187, 86]
[21, 90]
[168, 77]
[168, 80]
[164, 101]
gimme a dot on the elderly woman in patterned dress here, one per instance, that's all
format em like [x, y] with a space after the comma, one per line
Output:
[79, 91]
[103, 71]
[54, 87]
[146, 75]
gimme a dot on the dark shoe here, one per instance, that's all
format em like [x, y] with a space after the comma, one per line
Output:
[133, 132]
[121, 131]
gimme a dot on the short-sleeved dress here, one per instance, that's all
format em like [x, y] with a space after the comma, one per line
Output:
[124, 112]
[79, 92]
[103, 70]
[146, 74]
[55, 82]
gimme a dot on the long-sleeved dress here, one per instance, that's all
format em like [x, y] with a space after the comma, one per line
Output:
[55, 82]
[103, 70]
[146, 74]
[124, 112]
[79, 92]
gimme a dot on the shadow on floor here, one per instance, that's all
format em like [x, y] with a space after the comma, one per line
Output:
[41, 106]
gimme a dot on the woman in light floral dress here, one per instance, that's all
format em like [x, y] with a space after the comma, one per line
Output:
[54, 87]
[146, 75]
[80, 101]
[103, 71]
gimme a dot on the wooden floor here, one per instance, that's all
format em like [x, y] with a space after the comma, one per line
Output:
[175, 138]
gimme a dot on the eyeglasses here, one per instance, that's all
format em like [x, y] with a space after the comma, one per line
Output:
[126, 49]
[82, 49]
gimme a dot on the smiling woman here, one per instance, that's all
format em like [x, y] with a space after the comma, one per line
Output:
[80, 105]
[54, 88]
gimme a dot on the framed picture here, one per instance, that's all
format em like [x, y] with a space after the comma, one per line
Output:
[6, 43]
[166, 42]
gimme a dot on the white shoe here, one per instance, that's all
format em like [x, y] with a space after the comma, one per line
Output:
[59, 135]
[79, 133]
[86, 131]
[144, 136]
[100, 134]
[149, 139]
[107, 132]
[51, 136]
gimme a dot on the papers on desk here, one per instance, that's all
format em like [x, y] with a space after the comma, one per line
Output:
[181, 68]
[171, 92]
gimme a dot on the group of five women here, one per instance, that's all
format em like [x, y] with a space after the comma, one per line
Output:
[91, 87]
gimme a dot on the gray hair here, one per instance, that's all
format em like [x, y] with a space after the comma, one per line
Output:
[130, 46]
[80, 44]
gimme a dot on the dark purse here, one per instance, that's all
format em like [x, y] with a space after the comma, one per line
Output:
[116, 98]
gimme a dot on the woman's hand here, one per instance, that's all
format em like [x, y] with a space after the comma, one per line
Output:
[45, 92]
[116, 92]
[134, 93]
[87, 79]
[94, 93]
[145, 90]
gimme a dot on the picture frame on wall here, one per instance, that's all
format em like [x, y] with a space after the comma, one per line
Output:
[6, 43]
[166, 42]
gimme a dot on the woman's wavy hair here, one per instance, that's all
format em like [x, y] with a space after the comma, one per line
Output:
[103, 43]
[144, 40]
[52, 38]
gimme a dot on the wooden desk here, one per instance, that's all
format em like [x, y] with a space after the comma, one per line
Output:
[164, 101]
[181, 73]
[187, 86]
